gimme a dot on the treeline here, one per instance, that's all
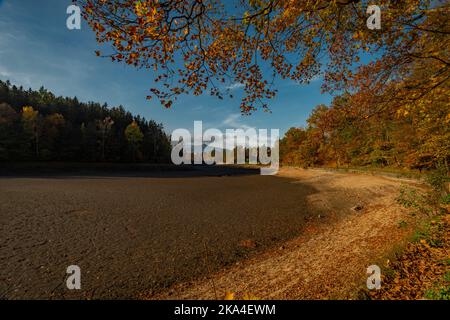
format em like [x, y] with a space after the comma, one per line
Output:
[37, 125]
[350, 134]
[393, 111]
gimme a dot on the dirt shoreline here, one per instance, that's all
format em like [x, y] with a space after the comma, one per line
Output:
[328, 260]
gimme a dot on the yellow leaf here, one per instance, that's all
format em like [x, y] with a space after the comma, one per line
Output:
[249, 296]
[229, 296]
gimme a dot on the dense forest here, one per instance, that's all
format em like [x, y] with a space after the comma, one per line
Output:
[413, 136]
[37, 125]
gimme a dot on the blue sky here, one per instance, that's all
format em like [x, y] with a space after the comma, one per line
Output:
[36, 49]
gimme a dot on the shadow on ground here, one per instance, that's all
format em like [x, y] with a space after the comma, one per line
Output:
[131, 233]
[104, 170]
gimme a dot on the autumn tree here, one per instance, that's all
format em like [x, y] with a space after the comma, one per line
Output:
[291, 146]
[105, 128]
[414, 138]
[8, 130]
[89, 141]
[51, 139]
[32, 125]
[197, 46]
[134, 137]
[7, 114]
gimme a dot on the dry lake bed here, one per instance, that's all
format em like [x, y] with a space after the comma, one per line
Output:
[137, 235]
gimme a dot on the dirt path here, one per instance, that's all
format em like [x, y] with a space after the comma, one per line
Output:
[328, 260]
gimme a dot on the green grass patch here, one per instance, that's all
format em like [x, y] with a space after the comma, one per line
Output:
[442, 293]
[403, 224]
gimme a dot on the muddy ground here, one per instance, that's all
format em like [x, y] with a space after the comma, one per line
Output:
[157, 236]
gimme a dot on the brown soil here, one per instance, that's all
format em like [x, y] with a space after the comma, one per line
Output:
[195, 237]
[327, 260]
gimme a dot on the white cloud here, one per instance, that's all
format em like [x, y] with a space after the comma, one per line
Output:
[234, 121]
[315, 78]
[231, 120]
[234, 86]
[198, 108]
[4, 72]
